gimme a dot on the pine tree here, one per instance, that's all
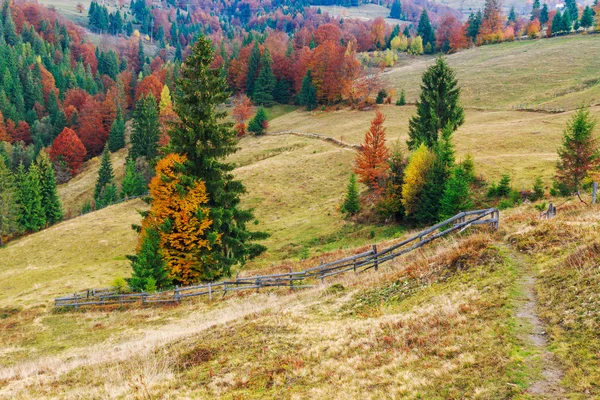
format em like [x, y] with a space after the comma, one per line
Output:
[512, 16]
[437, 107]
[544, 14]
[571, 6]
[587, 18]
[32, 216]
[396, 10]
[390, 204]
[456, 196]
[308, 92]
[538, 189]
[557, 24]
[351, 203]
[281, 94]
[103, 193]
[474, 23]
[579, 156]
[259, 124]
[253, 67]
[149, 266]
[50, 200]
[425, 30]
[9, 209]
[265, 83]
[371, 161]
[402, 100]
[535, 11]
[566, 21]
[146, 129]
[116, 137]
[141, 56]
[207, 141]
[133, 182]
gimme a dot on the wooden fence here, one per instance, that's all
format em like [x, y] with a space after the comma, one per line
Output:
[357, 263]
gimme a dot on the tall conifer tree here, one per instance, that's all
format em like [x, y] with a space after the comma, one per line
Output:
[50, 199]
[9, 209]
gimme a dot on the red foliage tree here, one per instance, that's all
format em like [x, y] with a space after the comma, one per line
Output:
[76, 98]
[242, 110]
[88, 56]
[333, 69]
[68, 147]
[371, 162]
[149, 85]
[109, 108]
[492, 24]
[21, 133]
[450, 35]
[327, 32]
[91, 129]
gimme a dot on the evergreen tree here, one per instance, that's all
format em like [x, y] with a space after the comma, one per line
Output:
[396, 10]
[146, 129]
[308, 92]
[390, 204]
[535, 11]
[116, 138]
[207, 141]
[265, 83]
[351, 203]
[149, 266]
[566, 21]
[281, 94]
[473, 25]
[538, 189]
[50, 200]
[512, 16]
[253, 66]
[544, 14]
[10, 32]
[402, 100]
[557, 25]
[103, 193]
[32, 215]
[587, 18]
[438, 105]
[133, 182]
[579, 156]
[258, 125]
[425, 30]
[456, 196]
[141, 55]
[571, 6]
[9, 209]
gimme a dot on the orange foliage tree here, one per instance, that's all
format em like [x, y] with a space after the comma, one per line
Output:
[371, 162]
[184, 225]
[91, 129]
[492, 25]
[68, 148]
[242, 110]
[149, 85]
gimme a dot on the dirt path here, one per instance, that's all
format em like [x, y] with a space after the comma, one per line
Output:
[547, 386]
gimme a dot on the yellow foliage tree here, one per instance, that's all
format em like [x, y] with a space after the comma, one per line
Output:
[414, 177]
[185, 237]
[167, 115]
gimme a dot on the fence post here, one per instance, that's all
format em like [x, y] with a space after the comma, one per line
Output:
[291, 280]
[376, 263]
[176, 294]
[355, 262]
[76, 301]
[594, 192]
[209, 292]
[224, 289]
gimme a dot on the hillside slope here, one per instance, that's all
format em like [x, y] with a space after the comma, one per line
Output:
[457, 320]
[554, 73]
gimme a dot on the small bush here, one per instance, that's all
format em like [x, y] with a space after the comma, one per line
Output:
[402, 100]
[381, 95]
[119, 284]
[87, 207]
[505, 203]
[538, 190]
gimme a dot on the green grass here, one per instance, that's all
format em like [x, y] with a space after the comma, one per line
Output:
[556, 73]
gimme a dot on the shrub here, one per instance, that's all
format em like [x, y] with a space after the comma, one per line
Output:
[402, 100]
[381, 95]
[119, 284]
[538, 190]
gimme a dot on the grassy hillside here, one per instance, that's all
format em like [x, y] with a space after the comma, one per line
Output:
[522, 144]
[457, 320]
[88, 251]
[556, 73]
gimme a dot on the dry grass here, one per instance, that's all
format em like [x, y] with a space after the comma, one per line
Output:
[79, 190]
[510, 74]
[522, 144]
[88, 251]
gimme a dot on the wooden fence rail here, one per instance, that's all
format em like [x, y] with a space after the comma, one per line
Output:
[307, 278]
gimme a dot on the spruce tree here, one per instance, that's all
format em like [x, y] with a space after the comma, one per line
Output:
[402, 100]
[579, 155]
[512, 16]
[104, 193]
[9, 209]
[265, 83]
[308, 92]
[438, 106]
[258, 125]
[351, 203]
[544, 14]
[456, 196]
[253, 66]
[571, 6]
[425, 30]
[50, 200]
[133, 182]
[566, 21]
[396, 10]
[557, 25]
[206, 140]
[32, 216]
[587, 18]
[146, 129]
[149, 266]
[116, 137]
[281, 94]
